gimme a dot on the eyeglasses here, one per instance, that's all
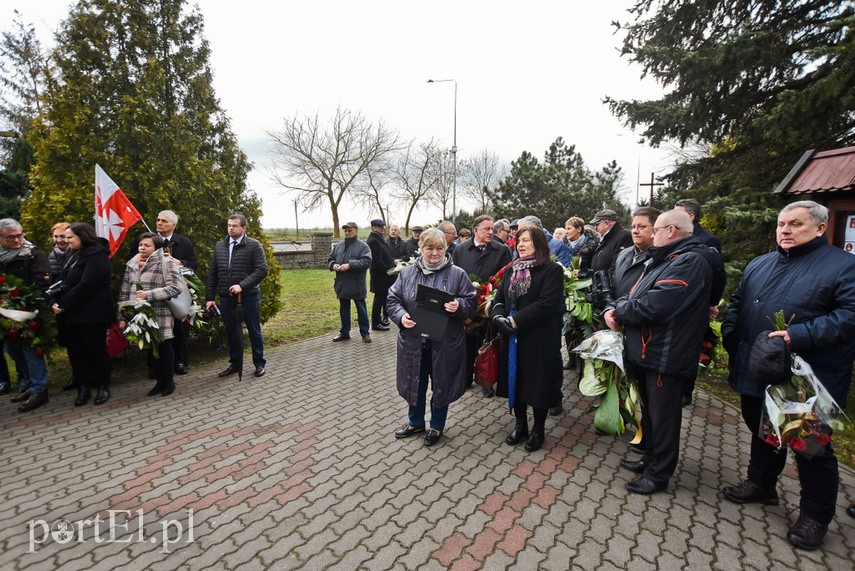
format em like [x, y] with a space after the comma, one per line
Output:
[447, 232]
[658, 228]
[12, 236]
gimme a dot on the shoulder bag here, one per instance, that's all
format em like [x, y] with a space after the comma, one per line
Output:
[178, 304]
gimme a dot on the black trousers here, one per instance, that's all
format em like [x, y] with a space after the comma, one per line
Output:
[91, 364]
[378, 307]
[181, 334]
[165, 363]
[819, 476]
[661, 420]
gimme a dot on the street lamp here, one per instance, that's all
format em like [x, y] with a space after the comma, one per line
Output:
[453, 152]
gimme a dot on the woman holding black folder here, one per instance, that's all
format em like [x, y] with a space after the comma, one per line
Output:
[423, 355]
[524, 312]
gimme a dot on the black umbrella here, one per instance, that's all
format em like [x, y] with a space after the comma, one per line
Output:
[239, 314]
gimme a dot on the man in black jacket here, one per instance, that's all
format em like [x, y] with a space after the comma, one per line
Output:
[693, 208]
[664, 319]
[614, 238]
[22, 259]
[180, 248]
[381, 262]
[237, 267]
[482, 257]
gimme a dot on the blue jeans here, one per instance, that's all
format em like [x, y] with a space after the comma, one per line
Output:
[26, 360]
[252, 318]
[417, 413]
[361, 316]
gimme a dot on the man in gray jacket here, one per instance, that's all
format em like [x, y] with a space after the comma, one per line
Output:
[237, 267]
[350, 260]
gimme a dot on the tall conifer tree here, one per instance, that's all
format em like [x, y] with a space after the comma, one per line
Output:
[133, 92]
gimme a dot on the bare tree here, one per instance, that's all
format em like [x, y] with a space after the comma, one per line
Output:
[417, 172]
[326, 163]
[371, 191]
[23, 72]
[444, 187]
[481, 174]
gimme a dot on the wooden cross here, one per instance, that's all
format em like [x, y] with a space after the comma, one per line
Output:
[652, 184]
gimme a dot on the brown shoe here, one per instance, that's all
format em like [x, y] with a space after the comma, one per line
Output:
[35, 401]
[366, 338]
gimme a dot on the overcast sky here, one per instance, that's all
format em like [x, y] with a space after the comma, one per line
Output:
[527, 73]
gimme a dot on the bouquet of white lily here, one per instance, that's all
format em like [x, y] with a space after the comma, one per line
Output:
[141, 327]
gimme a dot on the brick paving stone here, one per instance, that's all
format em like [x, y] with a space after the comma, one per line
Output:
[296, 491]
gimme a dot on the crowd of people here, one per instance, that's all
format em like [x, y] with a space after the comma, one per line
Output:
[666, 278]
[74, 279]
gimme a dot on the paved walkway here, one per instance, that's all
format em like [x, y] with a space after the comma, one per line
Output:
[300, 470]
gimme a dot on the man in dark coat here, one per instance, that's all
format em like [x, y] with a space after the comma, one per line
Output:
[664, 319]
[22, 259]
[381, 262]
[813, 283]
[237, 267]
[412, 243]
[613, 239]
[180, 248]
[350, 260]
[693, 208]
[482, 257]
[630, 262]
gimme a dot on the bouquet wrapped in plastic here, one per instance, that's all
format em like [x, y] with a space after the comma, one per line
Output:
[604, 374]
[800, 412]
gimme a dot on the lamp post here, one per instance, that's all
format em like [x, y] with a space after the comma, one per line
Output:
[453, 152]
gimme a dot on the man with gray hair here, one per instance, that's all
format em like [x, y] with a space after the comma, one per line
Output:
[556, 247]
[813, 283]
[664, 318]
[450, 233]
[180, 248]
[502, 231]
[20, 258]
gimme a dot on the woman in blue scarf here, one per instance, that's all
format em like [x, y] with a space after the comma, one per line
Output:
[524, 312]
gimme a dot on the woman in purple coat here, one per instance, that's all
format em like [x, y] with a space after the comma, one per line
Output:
[420, 358]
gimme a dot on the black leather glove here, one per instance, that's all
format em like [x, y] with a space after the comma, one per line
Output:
[503, 324]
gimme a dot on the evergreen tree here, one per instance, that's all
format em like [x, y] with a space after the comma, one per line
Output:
[22, 76]
[560, 187]
[754, 83]
[133, 93]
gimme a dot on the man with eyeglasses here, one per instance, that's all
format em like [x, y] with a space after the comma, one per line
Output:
[630, 261]
[450, 232]
[664, 318]
[22, 259]
[692, 207]
[482, 257]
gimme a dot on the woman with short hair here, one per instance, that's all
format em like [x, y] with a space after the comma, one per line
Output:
[153, 277]
[420, 358]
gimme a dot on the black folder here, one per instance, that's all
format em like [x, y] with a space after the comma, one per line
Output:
[429, 314]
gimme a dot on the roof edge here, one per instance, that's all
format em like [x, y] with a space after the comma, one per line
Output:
[795, 171]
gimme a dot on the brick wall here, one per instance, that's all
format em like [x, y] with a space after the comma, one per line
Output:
[316, 258]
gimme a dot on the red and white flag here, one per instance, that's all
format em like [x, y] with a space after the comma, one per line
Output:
[114, 213]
